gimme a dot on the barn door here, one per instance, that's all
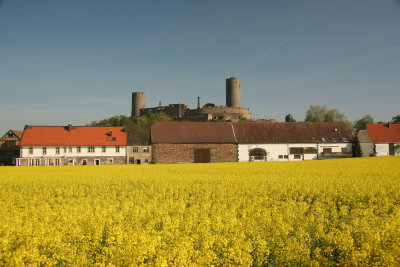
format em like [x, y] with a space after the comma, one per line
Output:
[202, 155]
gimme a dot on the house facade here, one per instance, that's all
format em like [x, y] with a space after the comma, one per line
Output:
[291, 141]
[139, 154]
[9, 147]
[72, 145]
[380, 139]
[193, 142]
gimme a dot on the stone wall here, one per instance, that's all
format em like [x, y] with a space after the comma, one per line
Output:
[219, 112]
[184, 153]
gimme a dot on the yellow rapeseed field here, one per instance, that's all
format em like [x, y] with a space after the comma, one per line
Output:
[328, 212]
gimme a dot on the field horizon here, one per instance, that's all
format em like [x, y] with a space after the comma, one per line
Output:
[326, 212]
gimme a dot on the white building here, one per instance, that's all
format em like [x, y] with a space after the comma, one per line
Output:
[291, 141]
[380, 140]
[72, 145]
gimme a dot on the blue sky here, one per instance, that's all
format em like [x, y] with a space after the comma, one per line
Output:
[78, 61]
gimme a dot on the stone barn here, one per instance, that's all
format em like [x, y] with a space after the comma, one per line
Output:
[193, 142]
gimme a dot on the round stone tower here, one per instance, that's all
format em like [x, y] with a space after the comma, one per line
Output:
[138, 102]
[233, 95]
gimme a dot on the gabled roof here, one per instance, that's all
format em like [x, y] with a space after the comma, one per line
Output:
[192, 132]
[17, 133]
[383, 133]
[291, 132]
[73, 136]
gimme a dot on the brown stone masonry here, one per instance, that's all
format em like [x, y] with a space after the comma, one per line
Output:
[185, 153]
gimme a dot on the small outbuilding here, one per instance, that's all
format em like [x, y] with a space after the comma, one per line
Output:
[193, 142]
[9, 147]
[380, 139]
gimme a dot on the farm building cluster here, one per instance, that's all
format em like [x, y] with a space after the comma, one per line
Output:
[193, 138]
[193, 142]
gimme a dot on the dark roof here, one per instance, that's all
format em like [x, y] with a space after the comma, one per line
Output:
[17, 133]
[192, 132]
[291, 132]
[384, 133]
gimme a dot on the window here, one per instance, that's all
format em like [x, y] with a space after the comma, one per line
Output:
[37, 162]
[286, 156]
[70, 150]
[91, 149]
[131, 160]
[297, 156]
[146, 149]
[30, 162]
[44, 150]
[117, 149]
[103, 149]
[31, 150]
[57, 150]
[344, 150]
[78, 149]
[281, 156]
[18, 162]
[84, 162]
[327, 150]
[65, 150]
[50, 162]
[135, 149]
[110, 161]
[57, 162]
[146, 161]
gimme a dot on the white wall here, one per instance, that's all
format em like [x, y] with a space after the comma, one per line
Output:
[51, 152]
[382, 149]
[274, 150]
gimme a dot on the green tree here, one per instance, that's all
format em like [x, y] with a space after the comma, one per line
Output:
[361, 123]
[138, 128]
[356, 147]
[317, 113]
[396, 119]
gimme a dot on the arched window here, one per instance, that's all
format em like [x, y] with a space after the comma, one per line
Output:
[257, 154]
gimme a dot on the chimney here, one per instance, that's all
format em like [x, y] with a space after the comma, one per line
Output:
[389, 125]
[198, 102]
[110, 132]
[69, 127]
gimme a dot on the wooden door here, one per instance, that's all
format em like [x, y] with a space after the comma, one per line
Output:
[202, 155]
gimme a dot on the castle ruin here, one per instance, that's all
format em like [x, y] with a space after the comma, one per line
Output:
[232, 111]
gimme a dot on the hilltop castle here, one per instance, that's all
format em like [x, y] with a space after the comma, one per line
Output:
[231, 111]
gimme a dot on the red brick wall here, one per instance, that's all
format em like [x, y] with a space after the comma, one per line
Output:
[184, 153]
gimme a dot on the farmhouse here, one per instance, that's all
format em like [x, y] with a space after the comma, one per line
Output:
[193, 142]
[380, 139]
[291, 141]
[72, 145]
[9, 147]
[188, 142]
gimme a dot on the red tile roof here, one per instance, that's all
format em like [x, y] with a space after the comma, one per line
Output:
[73, 136]
[192, 132]
[291, 132]
[381, 133]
